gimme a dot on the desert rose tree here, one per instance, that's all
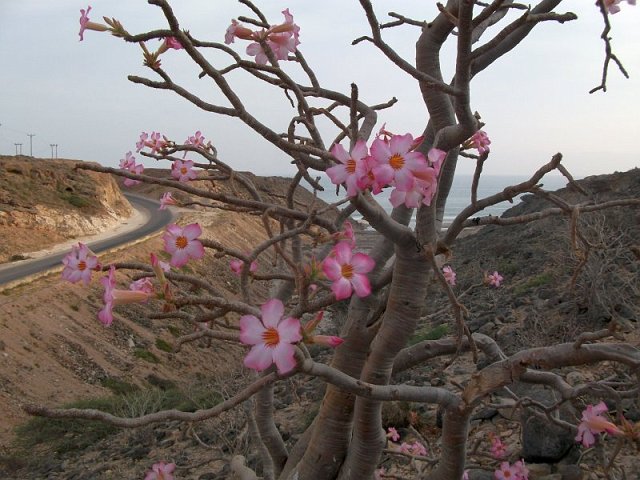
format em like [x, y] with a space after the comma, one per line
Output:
[385, 287]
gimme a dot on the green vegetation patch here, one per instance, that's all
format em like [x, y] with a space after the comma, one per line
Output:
[61, 435]
[145, 355]
[163, 345]
[431, 334]
[537, 281]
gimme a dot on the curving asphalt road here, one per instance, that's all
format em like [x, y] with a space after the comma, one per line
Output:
[156, 220]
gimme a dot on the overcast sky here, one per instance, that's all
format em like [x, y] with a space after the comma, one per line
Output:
[534, 101]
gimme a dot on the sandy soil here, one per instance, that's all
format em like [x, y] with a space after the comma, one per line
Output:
[54, 351]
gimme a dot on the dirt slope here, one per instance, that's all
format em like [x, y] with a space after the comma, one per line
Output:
[44, 202]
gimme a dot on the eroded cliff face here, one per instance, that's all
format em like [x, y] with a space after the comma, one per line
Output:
[44, 202]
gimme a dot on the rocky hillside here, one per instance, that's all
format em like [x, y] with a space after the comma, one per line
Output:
[54, 350]
[44, 202]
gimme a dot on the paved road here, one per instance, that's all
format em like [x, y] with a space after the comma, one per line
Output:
[156, 220]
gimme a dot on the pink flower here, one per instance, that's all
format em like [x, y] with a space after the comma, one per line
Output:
[347, 271]
[282, 39]
[183, 171]
[166, 200]
[521, 470]
[347, 172]
[326, 340]
[161, 471]
[393, 434]
[449, 275]
[142, 285]
[436, 158]
[173, 42]
[422, 191]
[196, 140]
[370, 176]
[113, 297]
[480, 141]
[415, 448]
[397, 157]
[465, 475]
[593, 423]
[237, 265]
[155, 143]
[182, 243]
[159, 264]
[346, 234]
[272, 338]
[140, 144]
[612, 5]
[494, 279]
[498, 449]
[517, 471]
[237, 30]
[86, 24]
[78, 264]
[129, 164]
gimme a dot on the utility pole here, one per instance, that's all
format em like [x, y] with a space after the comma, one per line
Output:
[52, 145]
[20, 145]
[31, 135]
[56, 145]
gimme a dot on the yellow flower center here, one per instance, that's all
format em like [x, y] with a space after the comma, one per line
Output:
[184, 170]
[347, 271]
[271, 337]
[82, 265]
[351, 166]
[182, 242]
[396, 161]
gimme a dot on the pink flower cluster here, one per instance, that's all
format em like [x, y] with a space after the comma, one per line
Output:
[416, 448]
[161, 471]
[517, 471]
[593, 423]
[480, 141]
[498, 449]
[155, 142]
[271, 337]
[392, 161]
[612, 5]
[79, 263]
[449, 275]
[129, 164]
[494, 279]
[281, 39]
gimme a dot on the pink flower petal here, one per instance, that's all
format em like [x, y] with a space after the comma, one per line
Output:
[362, 263]
[341, 288]
[272, 312]
[259, 357]
[361, 285]
[289, 330]
[251, 330]
[284, 357]
[332, 269]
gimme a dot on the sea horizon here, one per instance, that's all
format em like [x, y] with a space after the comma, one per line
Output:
[460, 195]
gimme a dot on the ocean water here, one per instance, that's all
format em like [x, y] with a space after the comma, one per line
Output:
[460, 195]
